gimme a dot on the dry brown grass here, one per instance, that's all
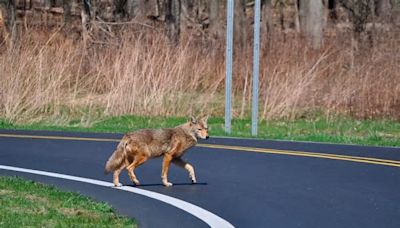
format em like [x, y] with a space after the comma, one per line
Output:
[38, 79]
[49, 77]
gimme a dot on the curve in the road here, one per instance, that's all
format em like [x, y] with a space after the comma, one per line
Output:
[206, 216]
[269, 184]
[369, 160]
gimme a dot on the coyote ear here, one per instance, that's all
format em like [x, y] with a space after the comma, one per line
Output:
[193, 120]
[205, 118]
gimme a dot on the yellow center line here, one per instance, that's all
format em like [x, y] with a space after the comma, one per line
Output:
[59, 138]
[294, 152]
[369, 160]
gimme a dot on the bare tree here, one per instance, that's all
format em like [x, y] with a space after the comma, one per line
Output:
[312, 21]
[67, 11]
[86, 14]
[266, 14]
[240, 34]
[214, 26]
[172, 19]
[142, 10]
[359, 11]
[3, 17]
[187, 15]
[131, 8]
[384, 9]
[297, 16]
[266, 25]
[10, 20]
[280, 4]
[120, 9]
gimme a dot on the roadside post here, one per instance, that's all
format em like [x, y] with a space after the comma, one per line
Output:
[228, 79]
[256, 66]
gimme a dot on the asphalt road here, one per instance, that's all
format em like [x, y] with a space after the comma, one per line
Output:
[248, 183]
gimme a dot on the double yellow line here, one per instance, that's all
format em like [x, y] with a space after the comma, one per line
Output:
[58, 138]
[369, 160]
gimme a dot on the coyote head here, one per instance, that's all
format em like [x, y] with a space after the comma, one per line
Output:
[199, 127]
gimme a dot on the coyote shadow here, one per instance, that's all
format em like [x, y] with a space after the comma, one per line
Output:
[161, 185]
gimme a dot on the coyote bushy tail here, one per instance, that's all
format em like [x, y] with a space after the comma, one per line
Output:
[116, 158]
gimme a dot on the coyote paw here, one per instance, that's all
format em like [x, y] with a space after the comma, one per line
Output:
[190, 169]
[192, 178]
[167, 184]
[117, 185]
[136, 182]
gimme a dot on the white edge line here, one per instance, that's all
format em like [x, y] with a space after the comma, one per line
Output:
[204, 215]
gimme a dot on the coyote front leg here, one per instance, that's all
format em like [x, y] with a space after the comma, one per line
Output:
[183, 164]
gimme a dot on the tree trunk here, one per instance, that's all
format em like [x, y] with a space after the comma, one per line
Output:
[266, 25]
[86, 20]
[372, 32]
[214, 26]
[240, 35]
[332, 9]
[312, 21]
[172, 19]
[325, 6]
[359, 11]
[11, 21]
[384, 9]
[67, 11]
[297, 17]
[131, 8]
[188, 19]
[87, 8]
[281, 8]
[3, 21]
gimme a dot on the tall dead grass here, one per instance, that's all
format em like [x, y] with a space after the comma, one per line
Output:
[38, 79]
[157, 79]
[50, 77]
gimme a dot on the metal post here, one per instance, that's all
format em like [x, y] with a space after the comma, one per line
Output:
[229, 51]
[256, 62]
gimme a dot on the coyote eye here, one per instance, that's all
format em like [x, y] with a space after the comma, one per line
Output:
[200, 129]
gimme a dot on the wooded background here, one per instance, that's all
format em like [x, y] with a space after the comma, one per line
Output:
[92, 58]
[202, 18]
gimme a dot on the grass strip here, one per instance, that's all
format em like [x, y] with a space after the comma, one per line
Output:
[28, 204]
[342, 130]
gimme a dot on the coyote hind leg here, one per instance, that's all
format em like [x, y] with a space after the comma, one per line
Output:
[165, 167]
[137, 161]
[116, 176]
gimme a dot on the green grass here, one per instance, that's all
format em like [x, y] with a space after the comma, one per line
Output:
[316, 129]
[28, 204]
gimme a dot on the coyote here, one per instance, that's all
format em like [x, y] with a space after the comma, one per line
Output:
[136, 147]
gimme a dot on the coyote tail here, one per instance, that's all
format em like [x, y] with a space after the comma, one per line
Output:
[116, 158]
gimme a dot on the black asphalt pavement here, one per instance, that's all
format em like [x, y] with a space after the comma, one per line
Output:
[247, 189]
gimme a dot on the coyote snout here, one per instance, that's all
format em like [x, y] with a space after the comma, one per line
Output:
[202, 131]
[137, 147]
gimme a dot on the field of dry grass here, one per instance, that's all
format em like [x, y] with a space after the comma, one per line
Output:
[49, 77]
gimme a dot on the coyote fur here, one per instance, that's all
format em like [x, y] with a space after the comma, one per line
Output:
[137, 147]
